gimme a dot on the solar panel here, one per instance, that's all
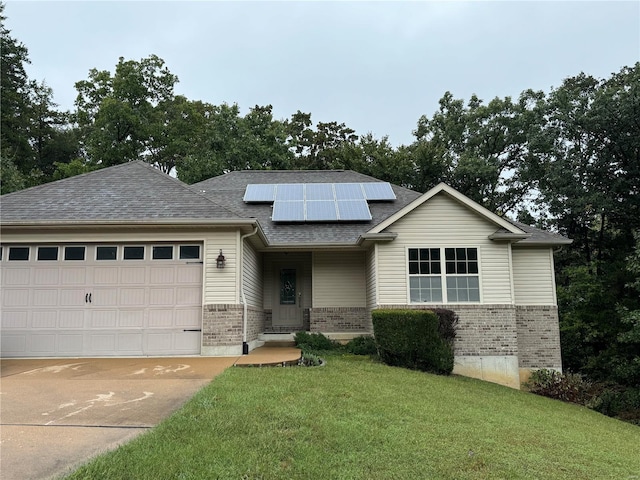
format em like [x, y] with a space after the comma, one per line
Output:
[290, 192]
[353, 210]
[348, 191]
[321, 211]
[288, 211]
[258, 193]
[319, 191]
[378, 191]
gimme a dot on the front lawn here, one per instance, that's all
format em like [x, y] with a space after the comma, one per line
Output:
[357, 419]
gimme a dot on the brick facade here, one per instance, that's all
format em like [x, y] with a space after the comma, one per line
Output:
[222, 325]
[340, 319]
[482, 329]
[255, 323]
[538, 337]
[269, 328]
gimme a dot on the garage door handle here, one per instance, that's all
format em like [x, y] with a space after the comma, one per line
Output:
[89, 298]
[193, 263]
[192, 330]
[86, 298]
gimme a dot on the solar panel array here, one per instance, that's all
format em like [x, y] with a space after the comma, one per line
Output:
[319, 202]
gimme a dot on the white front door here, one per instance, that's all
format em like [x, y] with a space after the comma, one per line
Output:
[100, 300]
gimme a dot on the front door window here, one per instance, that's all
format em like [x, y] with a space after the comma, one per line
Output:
[287, 286]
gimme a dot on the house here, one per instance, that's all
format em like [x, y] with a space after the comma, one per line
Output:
[129, 261]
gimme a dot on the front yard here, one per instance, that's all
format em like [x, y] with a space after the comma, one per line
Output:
[358, 419]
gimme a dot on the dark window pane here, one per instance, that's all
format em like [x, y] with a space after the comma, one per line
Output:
[189, 252]
[47, 253]
[435, 268]
[451, 267]
[107, 253]
[413, 268]
[18, 253]
[435, 254]
[424, 268]
[413, 254]
[462, 267]
[134, 253]
[74, 253]
[424, 254]
[449, 254]
[461, 253]
[163, 253]
[473, 267]
[472, 253]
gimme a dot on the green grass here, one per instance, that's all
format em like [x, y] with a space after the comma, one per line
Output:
[357, 419]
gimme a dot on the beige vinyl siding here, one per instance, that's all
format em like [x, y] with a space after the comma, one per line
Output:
[220, 284]
[252, 276]
[443, 222]
[533, 276]
[273, 261]
[339, 279]
[372, 297]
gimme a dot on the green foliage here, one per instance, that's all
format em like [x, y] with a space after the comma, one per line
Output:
[10, 177]
[309, 359]
[448, 323]
[621, 403]
[411, 339]
[569, 387]
[315, 342]
[363, 345]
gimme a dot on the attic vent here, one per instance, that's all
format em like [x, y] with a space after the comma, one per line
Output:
[320, 202]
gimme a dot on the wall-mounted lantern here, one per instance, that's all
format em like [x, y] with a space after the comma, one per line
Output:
[220, 261]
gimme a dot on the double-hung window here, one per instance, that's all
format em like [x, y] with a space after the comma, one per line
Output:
[443, 275]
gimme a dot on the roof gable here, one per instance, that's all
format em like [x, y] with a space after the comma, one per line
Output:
[131, 192]
[464, 200]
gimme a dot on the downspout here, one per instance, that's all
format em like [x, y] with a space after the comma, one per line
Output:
[245, 345]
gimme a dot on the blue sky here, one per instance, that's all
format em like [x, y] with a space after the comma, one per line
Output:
[376, 66]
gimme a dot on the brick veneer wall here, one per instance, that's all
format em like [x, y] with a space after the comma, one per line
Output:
[482, 329]
[269, 328]
[222, 325]
[340, 319]
[255, 323]
[538, 337]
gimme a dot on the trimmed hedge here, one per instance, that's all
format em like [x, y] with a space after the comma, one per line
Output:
[412, 339]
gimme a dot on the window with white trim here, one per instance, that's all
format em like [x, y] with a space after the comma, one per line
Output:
[455, 268]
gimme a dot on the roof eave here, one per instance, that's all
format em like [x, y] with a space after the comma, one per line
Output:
[544, 243]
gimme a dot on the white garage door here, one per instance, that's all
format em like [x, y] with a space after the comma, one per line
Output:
[100, 300]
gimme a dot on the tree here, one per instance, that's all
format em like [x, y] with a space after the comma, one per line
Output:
[14, 101]
[120, 114]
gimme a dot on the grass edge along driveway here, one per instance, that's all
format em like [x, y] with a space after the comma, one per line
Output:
[358, 419]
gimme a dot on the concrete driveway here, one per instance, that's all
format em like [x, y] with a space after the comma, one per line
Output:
[58, 413]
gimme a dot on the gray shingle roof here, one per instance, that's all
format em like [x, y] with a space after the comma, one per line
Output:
[228, 190]
[133, 191]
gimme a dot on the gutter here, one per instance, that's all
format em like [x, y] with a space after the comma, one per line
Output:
[245, 313]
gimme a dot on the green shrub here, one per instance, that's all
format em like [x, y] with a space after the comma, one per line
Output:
[310, 360]
[569, 387]
[314, 342]
[619, 402]
[448, 323]
[363, 345]
[411, 339]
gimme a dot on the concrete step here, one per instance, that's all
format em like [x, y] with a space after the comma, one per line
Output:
[278, 339]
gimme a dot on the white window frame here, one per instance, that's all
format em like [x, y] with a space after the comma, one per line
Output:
[443, 275]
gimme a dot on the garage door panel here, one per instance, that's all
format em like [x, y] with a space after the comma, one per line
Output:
[14, 319]
[44, 319]
[46, 276]
[133, 275]
[162, 275]
[70, 343]
[45, 297]
[131, 318]
[73, 276]
[13, 344]
[106, 275]
[188, 274]
[161, 296]
[15, 297]
[72, 319]
[16, 276]
[43, 344]
[159, 318]
[132, 296]
[100, 307]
